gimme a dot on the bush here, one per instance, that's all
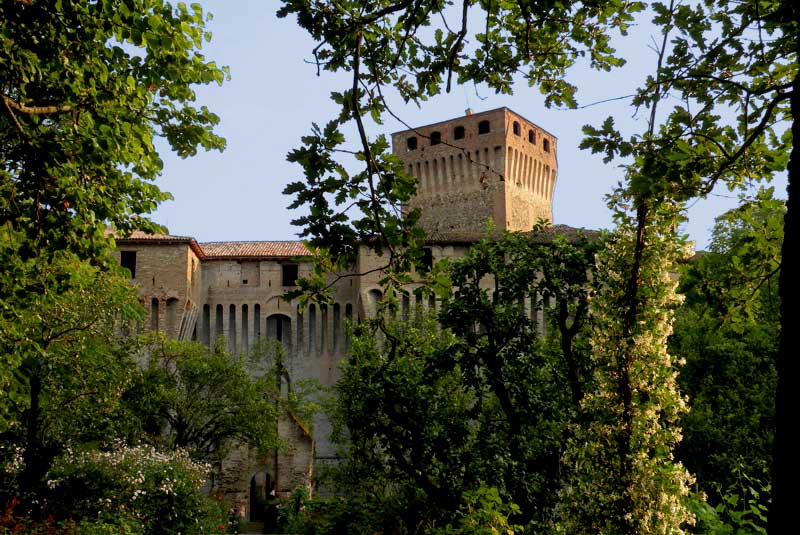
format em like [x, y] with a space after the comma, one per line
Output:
[136, 490]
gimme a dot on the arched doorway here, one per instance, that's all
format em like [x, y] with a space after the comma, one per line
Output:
[261, 498]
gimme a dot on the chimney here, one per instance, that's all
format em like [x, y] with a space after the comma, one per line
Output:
[468, 112]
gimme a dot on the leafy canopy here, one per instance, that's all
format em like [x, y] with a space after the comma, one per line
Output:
[86, 89]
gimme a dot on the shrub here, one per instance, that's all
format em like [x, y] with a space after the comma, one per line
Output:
[134, 490]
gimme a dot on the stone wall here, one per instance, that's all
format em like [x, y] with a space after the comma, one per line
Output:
[495, 165]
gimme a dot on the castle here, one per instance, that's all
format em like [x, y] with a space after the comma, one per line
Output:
[494, 165]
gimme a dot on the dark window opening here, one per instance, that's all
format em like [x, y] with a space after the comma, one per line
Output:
[244, 281]
[289, 274]
[427, 259]
[516, 128]
[531, 137]
[546, 145]
[458, 132]
[127, 259]
[483, 127]
[411, 143]
[436, 138]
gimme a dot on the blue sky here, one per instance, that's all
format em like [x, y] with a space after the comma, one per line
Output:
[274, 95]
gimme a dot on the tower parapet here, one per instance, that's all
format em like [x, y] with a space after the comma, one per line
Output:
[491, 165]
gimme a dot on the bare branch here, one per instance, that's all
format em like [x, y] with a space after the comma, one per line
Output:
[457, 45]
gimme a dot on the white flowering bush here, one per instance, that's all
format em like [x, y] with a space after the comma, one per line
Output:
[623, 474]
[138, 489]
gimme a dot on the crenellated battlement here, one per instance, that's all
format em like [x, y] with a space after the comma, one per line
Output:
[495, 165]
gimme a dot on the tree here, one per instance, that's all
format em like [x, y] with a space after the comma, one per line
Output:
[86, 88]
[727, 331]
[203, 400]
[730, 67]
[63, 379]
[484, 401]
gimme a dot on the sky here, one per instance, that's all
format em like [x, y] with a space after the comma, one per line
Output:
[274, 95]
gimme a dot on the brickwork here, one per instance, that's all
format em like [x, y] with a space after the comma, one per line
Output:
[492, 165]
[495, 165]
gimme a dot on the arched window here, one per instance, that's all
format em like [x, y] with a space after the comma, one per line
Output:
[531, 137]
[516, 128]
[546, 145]
[411, 143]
[279, 328]
[206, 325]
[374, 298]
[217, 322]
[458, 132]
[172, 316]
[436, 138]
[484, 127]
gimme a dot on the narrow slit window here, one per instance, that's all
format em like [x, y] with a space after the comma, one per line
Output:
[546, 145]
[531, 137]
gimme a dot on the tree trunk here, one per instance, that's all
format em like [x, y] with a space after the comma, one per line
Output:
[785, 462]
[34, 468]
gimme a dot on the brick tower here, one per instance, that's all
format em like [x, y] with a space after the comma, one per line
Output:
[491, 165]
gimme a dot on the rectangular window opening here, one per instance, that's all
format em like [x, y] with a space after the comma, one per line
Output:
[289, 273]
[127, 259]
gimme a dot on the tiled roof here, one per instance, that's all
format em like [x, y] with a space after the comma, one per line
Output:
[141, 235]
[224, 249]
[253, 249]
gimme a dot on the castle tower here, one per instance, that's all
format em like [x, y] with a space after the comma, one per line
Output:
[491, 165]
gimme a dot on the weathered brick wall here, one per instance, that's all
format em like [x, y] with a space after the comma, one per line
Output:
[168, 279]
[468, 176]
[506, 174]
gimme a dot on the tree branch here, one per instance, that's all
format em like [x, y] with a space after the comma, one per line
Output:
[36, 110]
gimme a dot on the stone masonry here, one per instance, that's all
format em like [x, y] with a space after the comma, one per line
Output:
[493, 165]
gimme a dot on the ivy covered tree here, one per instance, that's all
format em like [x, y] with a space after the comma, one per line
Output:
[729, 68]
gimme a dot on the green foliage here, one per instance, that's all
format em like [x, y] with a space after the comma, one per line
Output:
[483, 513]
[411, 49]
[727, 332]
[204, 401]
[86, 89]
[741, 511]
[55, 314]
[433, 413]
[736, 282]
[137, 489]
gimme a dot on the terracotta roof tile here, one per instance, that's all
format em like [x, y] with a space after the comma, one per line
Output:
[141, 235]
[252, 249]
